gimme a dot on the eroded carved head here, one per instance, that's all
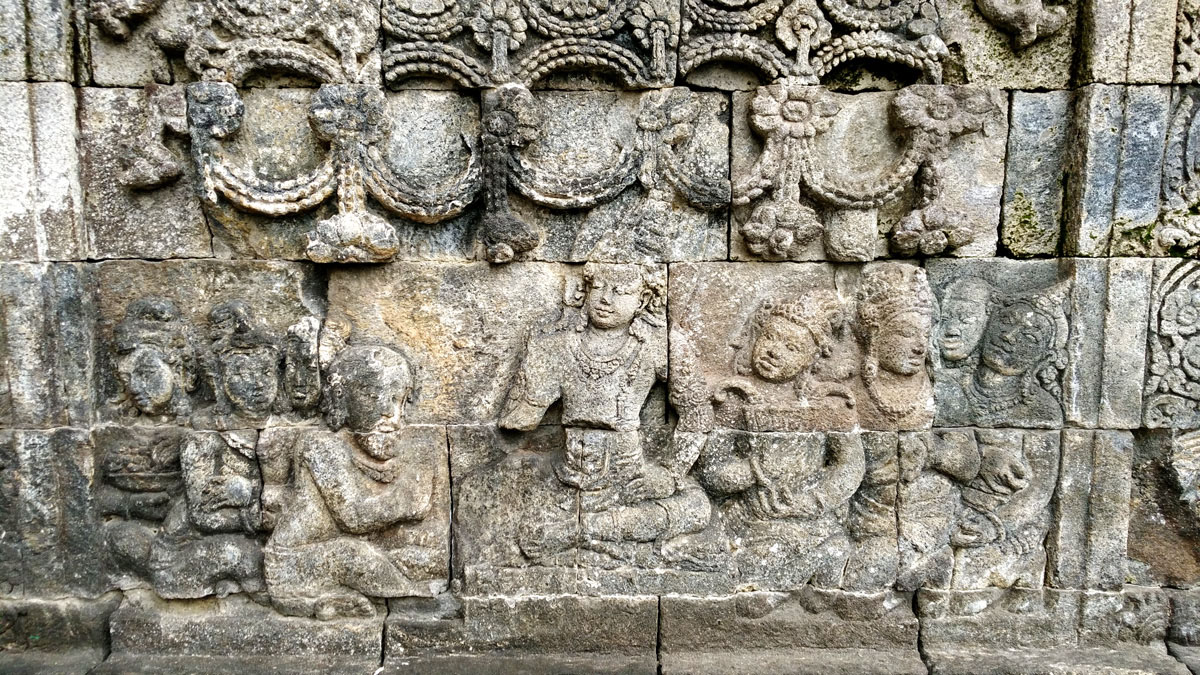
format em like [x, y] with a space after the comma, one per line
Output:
[365, 389]
[155, 357]
[963, 318]
[787, 337]
[895, 315]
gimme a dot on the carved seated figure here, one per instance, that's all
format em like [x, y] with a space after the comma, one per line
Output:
[207, 544]
[350, 485]
[785, 502]
[156, 360]
[602, 369]
[895, 313]
[787, 372]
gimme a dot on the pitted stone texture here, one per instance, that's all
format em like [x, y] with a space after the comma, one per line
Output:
[1170, 399]
[1091, 524]
[1127, 41]
[462, 326]
[49, 525]
[139, 186]
[806, 347]
[42, 215]
[36, 41]
[842, 182]
[1057, 631]
[973, 507]
[46, 344]
[1030, 46]
[280, 293]
[277, 143]
[1034, 172]
[844, 632]
[1164, 513]
[1078, 351]
[670, 148]
[626, 629]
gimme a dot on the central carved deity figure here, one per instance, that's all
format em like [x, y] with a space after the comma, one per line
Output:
[614, 506]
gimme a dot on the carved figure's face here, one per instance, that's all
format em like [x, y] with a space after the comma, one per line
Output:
[963, 319]
[1017, 338]
[901, 343]
[147, 375]
[250, 382]
[613, 299]
[783, 350]
[374, 399]
[301, 374]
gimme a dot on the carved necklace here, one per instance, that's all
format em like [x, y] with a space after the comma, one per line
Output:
[598, 366]
[990, 402]
[889, 410]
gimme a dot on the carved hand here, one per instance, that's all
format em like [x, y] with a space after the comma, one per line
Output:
[656, 483]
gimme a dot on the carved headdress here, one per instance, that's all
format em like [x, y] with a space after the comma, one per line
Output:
[1050, 304]
[887, 290]
[155, 324]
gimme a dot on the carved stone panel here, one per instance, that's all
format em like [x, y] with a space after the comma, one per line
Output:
[808, 186]
[806, 347]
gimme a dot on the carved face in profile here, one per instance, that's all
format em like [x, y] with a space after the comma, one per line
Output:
[783, 350]
[147, 375]
[963, 319]
[614, 297]
[901, 343]
[366, 389]
[250, 381]
[1018, 337]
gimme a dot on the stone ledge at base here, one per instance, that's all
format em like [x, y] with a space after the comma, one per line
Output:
[796, 662]
[1078, 661]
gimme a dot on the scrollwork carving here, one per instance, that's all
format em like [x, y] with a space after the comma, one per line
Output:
[789, 188]
[350, 119]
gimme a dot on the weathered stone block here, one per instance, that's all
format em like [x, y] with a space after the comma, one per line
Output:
[813, 189]
[1127, 41]
[41, 218]
[46, 342]
[52, 636]
[998, 44]
[622, 633]
[461, 324]
[1034, 172]
[139, 188]
[1164, 517]
[144, 626]
[49, 524]
[1087, 542]
[1116, 169]
[36, 41]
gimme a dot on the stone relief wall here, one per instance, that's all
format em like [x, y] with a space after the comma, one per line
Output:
[565, 336]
